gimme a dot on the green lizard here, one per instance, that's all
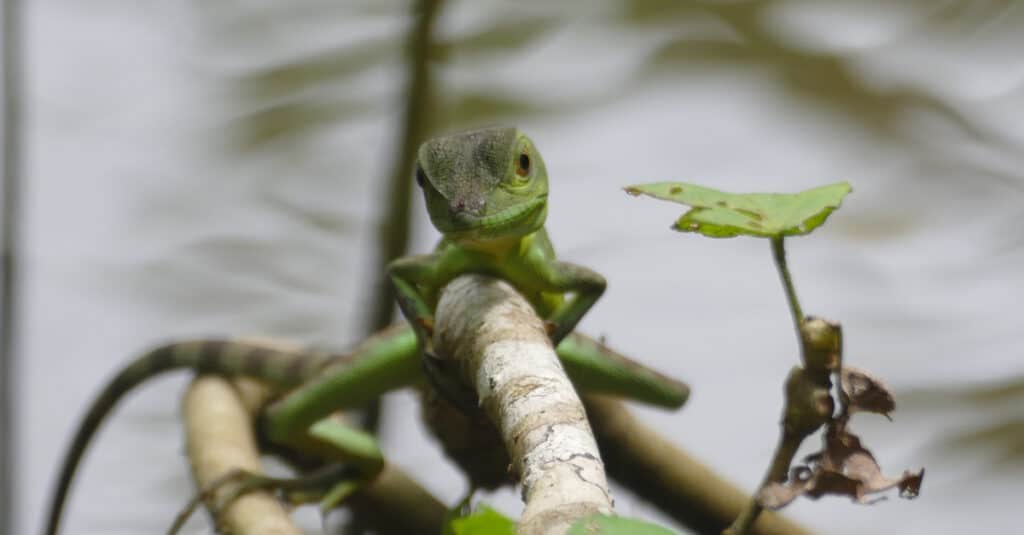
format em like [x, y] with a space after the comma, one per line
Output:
[486, 192]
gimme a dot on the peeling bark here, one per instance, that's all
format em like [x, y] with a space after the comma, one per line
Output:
[500, 347]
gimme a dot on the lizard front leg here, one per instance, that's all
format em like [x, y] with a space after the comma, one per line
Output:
[380, 365]
[415, 279]
[596, 368]
[585, 287]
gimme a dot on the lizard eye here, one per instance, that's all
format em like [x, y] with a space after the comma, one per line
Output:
[523, 165]
[421, 177]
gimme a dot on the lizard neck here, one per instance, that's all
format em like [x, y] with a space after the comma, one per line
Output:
[500, 246]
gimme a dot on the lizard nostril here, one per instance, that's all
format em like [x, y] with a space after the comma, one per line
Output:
[457, 207]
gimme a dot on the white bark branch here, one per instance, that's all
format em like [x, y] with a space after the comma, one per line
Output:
[504, 352]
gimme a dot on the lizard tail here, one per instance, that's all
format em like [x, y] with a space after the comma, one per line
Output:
[280, 367]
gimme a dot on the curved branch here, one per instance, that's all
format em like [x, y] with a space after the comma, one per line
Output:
[220, 440]
[500, 347]
[392, 504]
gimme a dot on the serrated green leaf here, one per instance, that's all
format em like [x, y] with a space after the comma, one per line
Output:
[484, 521]
[719, 214]
[616, 525]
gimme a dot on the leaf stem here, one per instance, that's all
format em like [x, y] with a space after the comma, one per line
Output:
[789, 441]
[778, 471]
[779, 253]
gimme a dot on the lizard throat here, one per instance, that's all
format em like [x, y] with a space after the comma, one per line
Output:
[522, 218]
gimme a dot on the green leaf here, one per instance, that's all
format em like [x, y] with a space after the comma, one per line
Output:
[485, 521]
[719, 214]
[616, 525]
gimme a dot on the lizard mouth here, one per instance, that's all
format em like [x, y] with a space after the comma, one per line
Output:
[497, 224]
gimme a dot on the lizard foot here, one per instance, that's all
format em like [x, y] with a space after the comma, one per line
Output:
[319, 484]
[427, 324]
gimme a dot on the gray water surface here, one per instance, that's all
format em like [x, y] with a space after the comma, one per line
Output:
[214, 168]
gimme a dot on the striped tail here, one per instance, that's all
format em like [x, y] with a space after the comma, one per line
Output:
[280, 367]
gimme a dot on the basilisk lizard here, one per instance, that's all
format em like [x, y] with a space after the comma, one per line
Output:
[486, 192]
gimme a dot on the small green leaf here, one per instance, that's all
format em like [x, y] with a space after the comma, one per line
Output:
[616, 525]
[719, 214]
[484, 521]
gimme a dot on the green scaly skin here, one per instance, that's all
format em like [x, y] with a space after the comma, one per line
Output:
[486, 191]
[384, 362]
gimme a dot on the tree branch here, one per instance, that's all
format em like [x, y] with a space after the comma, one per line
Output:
[220, 440]
[500, 346]
[393, 504]
[665, 475]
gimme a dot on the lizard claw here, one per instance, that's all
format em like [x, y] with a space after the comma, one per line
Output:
[427, 348]
[427, 324]
[550, 327]
[425, 332]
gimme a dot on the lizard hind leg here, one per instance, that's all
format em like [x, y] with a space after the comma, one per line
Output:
[234, 484]
[595, 368]
[359, 452]
[360, 461]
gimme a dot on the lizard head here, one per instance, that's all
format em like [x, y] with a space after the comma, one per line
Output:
[483, 184]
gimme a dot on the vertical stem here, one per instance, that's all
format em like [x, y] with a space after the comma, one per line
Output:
[8, 284]
[788, 445]
[779, 252]
[396, 195]
[393, 227]
[788, 442]
[777, 473]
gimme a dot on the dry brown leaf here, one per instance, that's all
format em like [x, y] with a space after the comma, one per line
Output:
[844, 467]
[863, 392]
[910, 484]
[778, 495]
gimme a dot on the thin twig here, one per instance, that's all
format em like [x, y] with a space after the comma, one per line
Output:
[778, 470]
[789, 441]
[396, 195]
[11, 157]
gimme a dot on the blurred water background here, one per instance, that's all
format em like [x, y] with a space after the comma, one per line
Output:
[201, 168]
